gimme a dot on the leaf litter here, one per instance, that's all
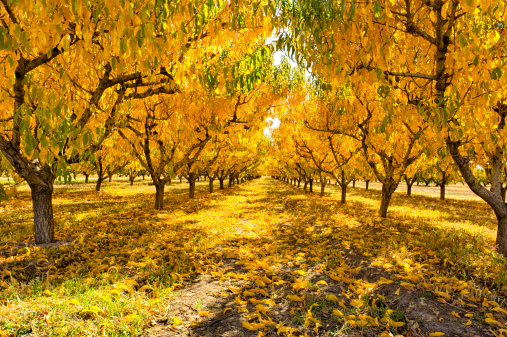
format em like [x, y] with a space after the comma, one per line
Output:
[261, 259]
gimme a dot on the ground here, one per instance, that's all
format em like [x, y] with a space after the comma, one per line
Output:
[259, 259]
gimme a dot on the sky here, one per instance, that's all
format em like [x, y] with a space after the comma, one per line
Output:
[279, 55]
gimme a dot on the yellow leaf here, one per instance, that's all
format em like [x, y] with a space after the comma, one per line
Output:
[397, 292]
[337, 312]
[455, 314]
[491, 321]
[203, 313]
[295, 298]
[226, 309]
[498, 309]
[436, 334]
[253, 326]
[468, 322]
[407, 285]
[383, 280]
[332, 298]
[322, 282]
[396, 324]
[48, 293]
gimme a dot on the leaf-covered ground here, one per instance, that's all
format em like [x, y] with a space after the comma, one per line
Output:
[259, 259]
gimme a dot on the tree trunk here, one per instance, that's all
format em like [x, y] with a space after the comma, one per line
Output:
[503, 192]
[132, 181]
[143, 176]
[86, 178]
[181, 178]
[409, 189]
[231, 180]
[44, 224]
[110, 176]
[344, 193]
[159, 196]
[387, 193]
[367, 184]
[299, 182]
[211, 185]
[311, 185]
[353, 184]
[98, 184]
[442, 191]
[221, 183]
[501, 236]
[306, 185]
[322, 187]
[191, 188]
[442, 186]
[237, 181]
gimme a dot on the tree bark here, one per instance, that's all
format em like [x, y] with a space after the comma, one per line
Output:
[306, 185]
[311, 185]
[221, 183]
[110, 176]
[299, 182]
[367, 184]
[192, 177]
[501, 237]
[387, 193]
[442, 191]
[322, 187]
[44, 224]
[159, 196]
[98, 184]
[86, 178]
[409, 189]
[353, 184]
[344, 193]
[211, 185]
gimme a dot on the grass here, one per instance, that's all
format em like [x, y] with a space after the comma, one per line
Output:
[128, 259]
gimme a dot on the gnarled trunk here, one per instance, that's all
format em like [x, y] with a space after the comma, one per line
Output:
[501, 236]
[387, 193]
[44, 224]
[159, 195]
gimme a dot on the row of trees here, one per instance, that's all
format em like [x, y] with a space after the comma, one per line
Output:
[301, 154]
[170, 83]
[400, 82]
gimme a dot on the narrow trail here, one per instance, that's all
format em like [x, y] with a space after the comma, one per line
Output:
[295, 264]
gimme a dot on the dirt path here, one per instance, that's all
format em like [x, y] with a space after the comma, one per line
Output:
[294, 270]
